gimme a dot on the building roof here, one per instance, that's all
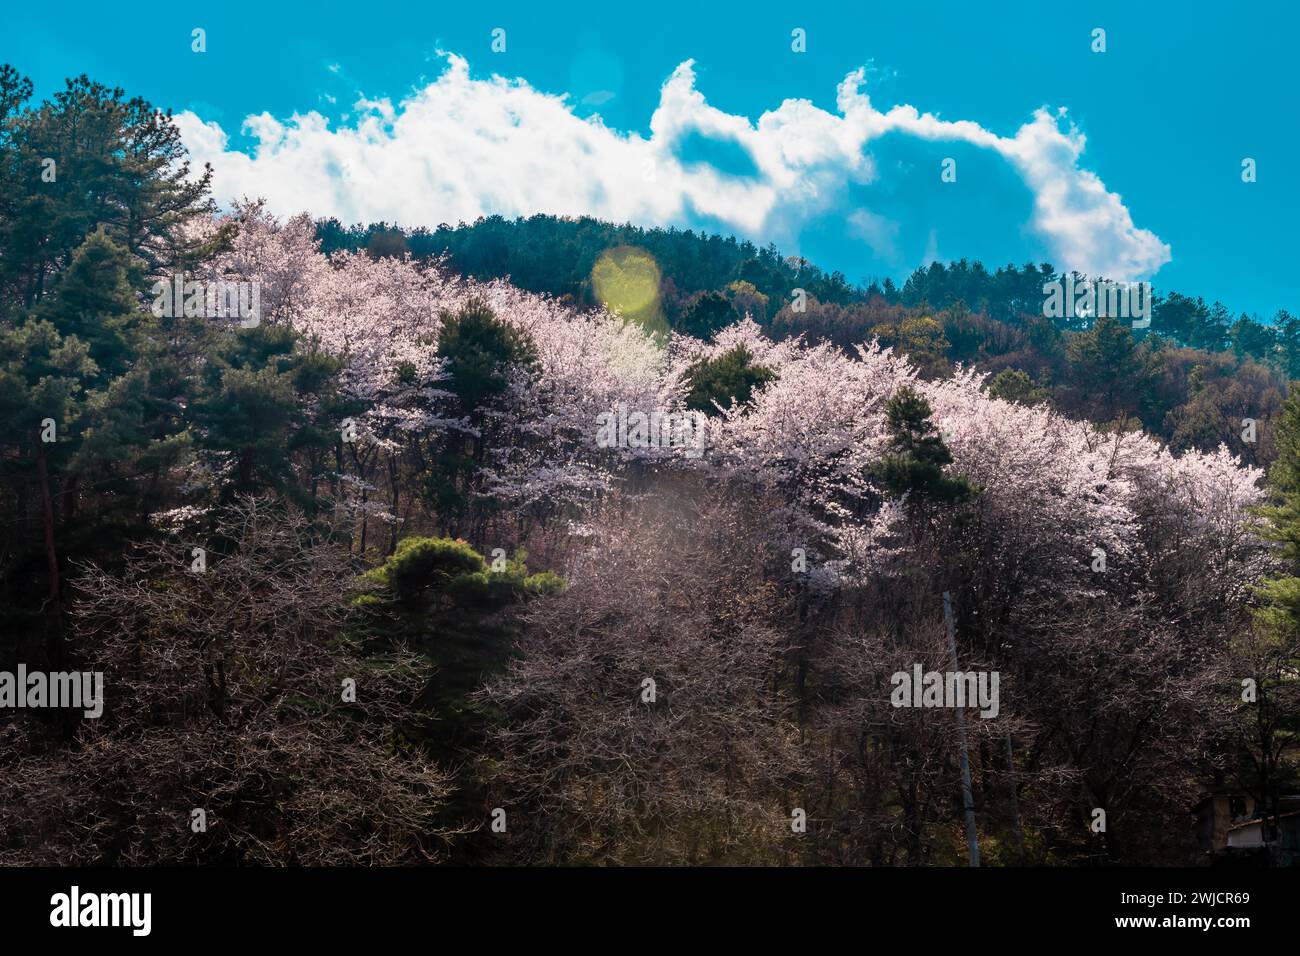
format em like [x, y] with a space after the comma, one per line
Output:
[1251, 823]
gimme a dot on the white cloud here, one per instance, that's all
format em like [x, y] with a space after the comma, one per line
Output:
[462, 147]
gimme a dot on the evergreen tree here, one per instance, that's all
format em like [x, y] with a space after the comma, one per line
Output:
[43, 379]
[81, 360]
[1111, 373]
[117, 163]
[482, 353]
[1270, 725]
[729, 377]
[710, 312]
[1013, 385]
[917, 453]
[440, 596]
[262, 399]
[95, 299]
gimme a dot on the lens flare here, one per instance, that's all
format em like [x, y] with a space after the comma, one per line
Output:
[626, 280]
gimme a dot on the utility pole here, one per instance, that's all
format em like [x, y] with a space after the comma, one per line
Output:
[967, 797]
[1015, 801]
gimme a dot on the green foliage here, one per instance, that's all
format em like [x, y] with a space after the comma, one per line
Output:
[77, 238]
[1013, 385]
[1269, 727]
[95, 300]
[944, 313]
[1110, 372]
[120, 167]
[1284, 476]
[729, 377]
[747, 299]
[708, 313]
[41, 373]
[83, 359]
[490, 589]
[422, 565]
[425, 574]
[443, 597]
[556, 256]
[917, 455]
[1280, 612]
[445, 486]
[481, 352]
[921, 339]
[250, 404]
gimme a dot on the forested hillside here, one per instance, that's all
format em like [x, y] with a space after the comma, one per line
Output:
[1189, 378]
[416, 564]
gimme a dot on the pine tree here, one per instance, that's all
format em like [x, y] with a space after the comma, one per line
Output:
[131, 429]
[258, 402]
[482, 353]
[1270, 654]
[118, 163]
[917, 455]
[95, 300]
[43, 380]
[706, 315]
[732, 376]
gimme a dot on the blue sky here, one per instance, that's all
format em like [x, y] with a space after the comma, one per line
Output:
[664, 122]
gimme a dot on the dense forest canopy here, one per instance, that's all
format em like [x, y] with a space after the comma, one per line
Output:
[365, 587]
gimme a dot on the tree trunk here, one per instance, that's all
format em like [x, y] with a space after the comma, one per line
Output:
[47, 522]
[54, 605]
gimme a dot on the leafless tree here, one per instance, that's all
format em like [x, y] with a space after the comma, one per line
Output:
[229, 692]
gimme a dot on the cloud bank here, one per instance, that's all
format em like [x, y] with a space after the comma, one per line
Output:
[463, 147]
